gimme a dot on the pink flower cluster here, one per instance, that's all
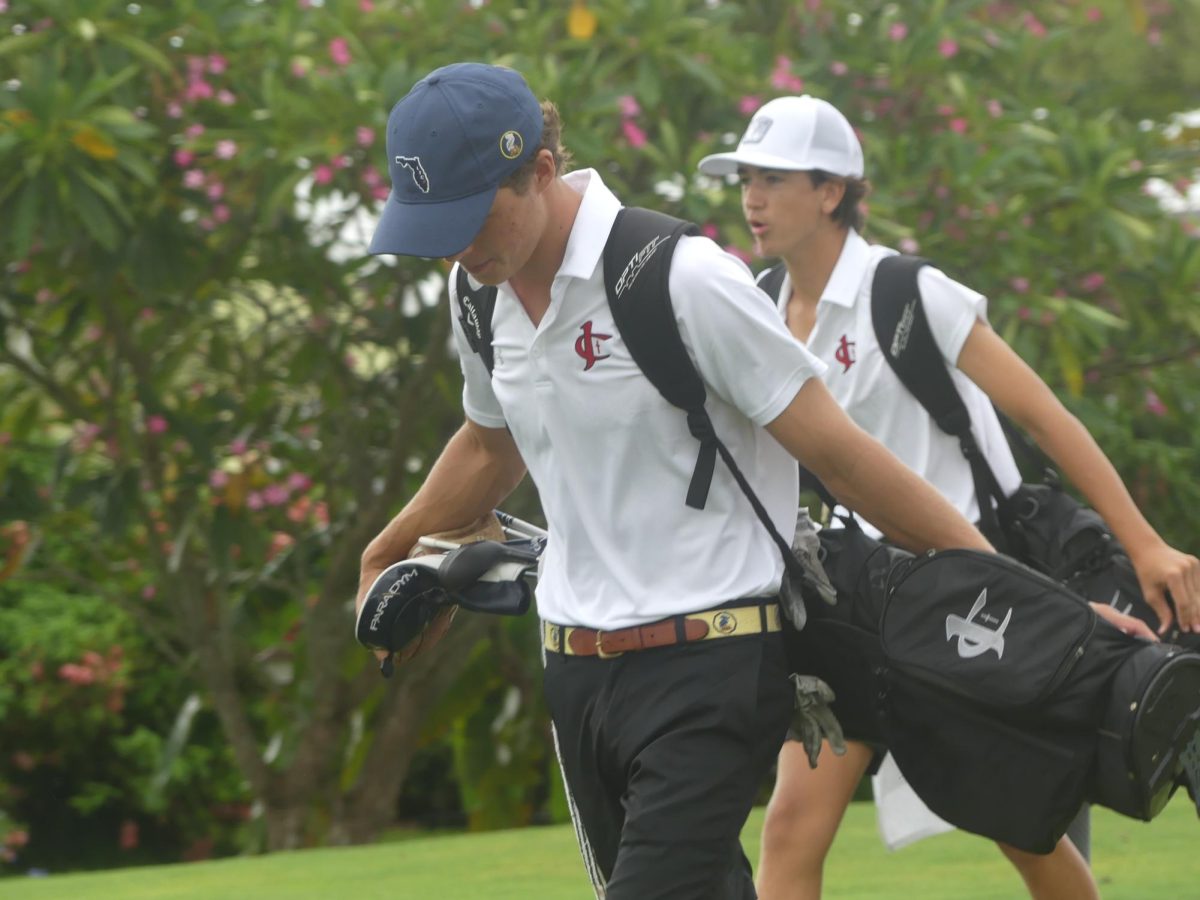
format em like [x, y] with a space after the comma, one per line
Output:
[1154, 404]
[18, 837]
[105, 671]
[290, 492]
[339, 52]
[954, 122]
[208, 182]
[630, 110]
[749, 104]
[783, 79]
[198, 85]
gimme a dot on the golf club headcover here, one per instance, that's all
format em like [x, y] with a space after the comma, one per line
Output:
[398, 606]
[419, 611]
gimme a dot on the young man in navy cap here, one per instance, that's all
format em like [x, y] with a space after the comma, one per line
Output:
[664, 733]
[800, 165]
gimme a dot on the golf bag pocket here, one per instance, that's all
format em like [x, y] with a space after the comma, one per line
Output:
[985, 627]
[983, 773]
[1150, 740]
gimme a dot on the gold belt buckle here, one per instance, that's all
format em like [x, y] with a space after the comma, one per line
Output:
[600, 649]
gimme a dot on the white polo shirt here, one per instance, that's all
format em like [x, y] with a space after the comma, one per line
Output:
[612, 460]
[860, 379]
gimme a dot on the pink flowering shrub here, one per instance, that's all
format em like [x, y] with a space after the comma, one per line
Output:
[82, 711]
[210, 398]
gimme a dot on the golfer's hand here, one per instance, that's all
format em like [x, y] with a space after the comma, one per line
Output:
[1128, 624]
[1164, 569]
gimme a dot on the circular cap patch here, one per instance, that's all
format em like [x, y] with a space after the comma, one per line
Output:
[511, 144]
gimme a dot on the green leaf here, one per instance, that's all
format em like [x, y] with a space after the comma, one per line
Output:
[705, 75]
[142, 50]
[106, 190]
[122, 123]
[1038, 133]
[1096, 314]
[102, 87]
[24, 43]
[24, 220]
[93, 213]
[282, 197]
[1138, 229]
[1067, 358]
[137, 166]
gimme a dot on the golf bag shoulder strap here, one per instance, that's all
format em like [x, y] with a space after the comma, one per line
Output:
[771, 280]
[906, 341]
[637, 268]
[902, 329]
[475, 308]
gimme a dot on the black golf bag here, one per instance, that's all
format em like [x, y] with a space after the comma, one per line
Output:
[1004, 699]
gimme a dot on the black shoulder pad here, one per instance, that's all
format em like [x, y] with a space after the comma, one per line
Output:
[475, 308]
[904, 336]
[771, 280]
[637, 268]
[898, 316]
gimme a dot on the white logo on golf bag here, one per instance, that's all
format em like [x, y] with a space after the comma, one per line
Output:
[1113, 603]
[975, 639]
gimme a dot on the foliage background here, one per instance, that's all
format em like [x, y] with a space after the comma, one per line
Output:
[210, 398]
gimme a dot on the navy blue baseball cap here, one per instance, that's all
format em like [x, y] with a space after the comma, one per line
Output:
[451, 141]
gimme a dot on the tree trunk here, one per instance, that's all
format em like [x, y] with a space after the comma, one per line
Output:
[287, 825]
[370, 805]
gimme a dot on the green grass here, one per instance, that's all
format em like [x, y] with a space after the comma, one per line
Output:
[1133, 861]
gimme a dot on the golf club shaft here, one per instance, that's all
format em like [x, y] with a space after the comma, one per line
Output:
[519, 526]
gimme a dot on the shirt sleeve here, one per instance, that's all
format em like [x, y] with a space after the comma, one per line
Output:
[479, 400]
[952, 310]
[740, 345]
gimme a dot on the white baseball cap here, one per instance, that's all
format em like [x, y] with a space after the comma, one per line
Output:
[794, 133]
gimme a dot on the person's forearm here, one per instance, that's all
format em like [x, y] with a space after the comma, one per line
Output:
[907, 509]
[866, 477]
[470, 478]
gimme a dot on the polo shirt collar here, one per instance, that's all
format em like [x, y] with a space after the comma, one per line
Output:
[589, 233]
[593, 222]
[846, 277]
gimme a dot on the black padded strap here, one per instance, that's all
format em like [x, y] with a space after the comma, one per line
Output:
[637, 267]
[902, 330]
[475, 308]
[771, 280]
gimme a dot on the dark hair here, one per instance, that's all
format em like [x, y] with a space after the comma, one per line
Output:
[848, 213]
[552, 141]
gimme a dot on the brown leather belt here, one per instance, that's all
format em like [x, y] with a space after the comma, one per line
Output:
[738, 621]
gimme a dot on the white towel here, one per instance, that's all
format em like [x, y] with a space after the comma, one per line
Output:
[903, 817]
